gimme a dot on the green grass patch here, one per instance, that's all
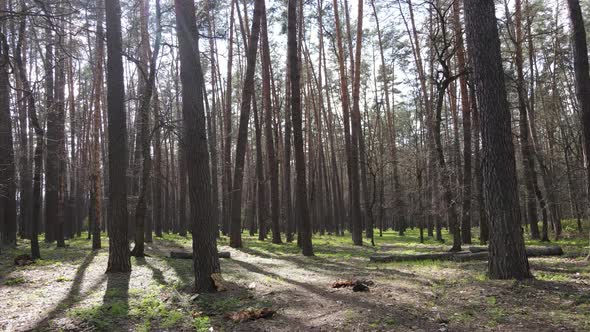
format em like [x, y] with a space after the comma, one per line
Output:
[546, 276]
[63, 279]
[15, 281]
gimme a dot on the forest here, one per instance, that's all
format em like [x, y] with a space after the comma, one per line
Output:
[294, 165]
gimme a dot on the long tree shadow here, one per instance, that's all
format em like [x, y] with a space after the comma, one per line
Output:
[74, 294]
[352, 300]
[336, 269]
[157, 274]
[115, 303]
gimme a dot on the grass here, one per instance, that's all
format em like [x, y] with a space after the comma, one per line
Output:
[14, 281]
[164, 304]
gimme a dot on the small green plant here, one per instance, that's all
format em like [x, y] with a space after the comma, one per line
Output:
[201, 323]
[63, 279]
[551, 276]
[14, 281]
[102, 317]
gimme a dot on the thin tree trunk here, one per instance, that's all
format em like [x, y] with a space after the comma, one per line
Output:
[466, 110]
[247, 95]
[268, 132]
[301, 182]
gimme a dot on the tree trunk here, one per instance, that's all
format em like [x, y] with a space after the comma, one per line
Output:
[268, 132]
[145, 135]
[295, 102]
[582, 76]
[39, 135]
[7, 168]
[194, 147]
[508, 258]
[226, 178]
[51, 157]
[119, 260]
[466, 109]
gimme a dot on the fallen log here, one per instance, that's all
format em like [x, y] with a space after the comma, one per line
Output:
[189, 255]
[533, 251]
[405, 258]
[474, 253]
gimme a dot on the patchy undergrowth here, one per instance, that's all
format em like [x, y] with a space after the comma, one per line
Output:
[68, 290]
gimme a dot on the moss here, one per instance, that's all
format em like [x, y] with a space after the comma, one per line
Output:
[15, 281]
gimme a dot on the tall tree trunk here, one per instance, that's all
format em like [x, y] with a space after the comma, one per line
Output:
[95, 173]
[7, 169]
[582, 76]
[287, 200]
[39, 135]
[528, 160]
[466, 110]
[295, 102]
[273, 166]
[213, 126]
[145, 134]
[51, 157]
[60, 83]
[345, 99]
[507, 258]
[194, 147]
[227, 181]
[119, 260]
[247, 95]
[355, 137]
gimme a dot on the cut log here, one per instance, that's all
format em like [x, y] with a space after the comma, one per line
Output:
[189, 255]
[544, 251]
[474, 253]
[405, 258]
[533, 251]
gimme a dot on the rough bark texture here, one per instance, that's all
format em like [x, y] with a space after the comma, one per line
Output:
[273, 166]
[528, 161]
[7, 169]
[39, 135]
[507, 253]
[247, 95]
[194, 147]
[51, 157]
[145, 138]
[466, 109]
[119, 259]
[96, 175]
[301, 182]
[357, 230]
[582, 74]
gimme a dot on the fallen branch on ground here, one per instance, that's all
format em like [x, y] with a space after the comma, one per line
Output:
[474, 253]
[189, 255]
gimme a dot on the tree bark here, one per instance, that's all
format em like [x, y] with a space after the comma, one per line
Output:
[508, 258]
[7, 168]
[268, 132]
[39, 135]
[582, 76]
[194, 147]
[466, 110]
[119, 260]
[247, 95]
[295, 102]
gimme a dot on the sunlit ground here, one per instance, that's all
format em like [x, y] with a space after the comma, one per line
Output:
[68, 289]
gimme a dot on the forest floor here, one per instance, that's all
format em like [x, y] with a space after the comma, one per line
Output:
[68, 290]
